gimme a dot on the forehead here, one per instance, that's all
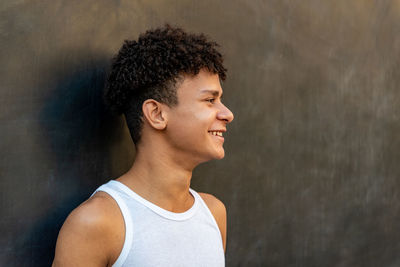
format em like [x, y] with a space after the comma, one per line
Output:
[201, 84]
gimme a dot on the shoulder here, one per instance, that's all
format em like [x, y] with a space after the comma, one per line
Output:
[97, 214]
[215, 205]
[92, 234]
[218, 210]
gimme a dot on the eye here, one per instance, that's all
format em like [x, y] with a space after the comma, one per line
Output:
[211, 100]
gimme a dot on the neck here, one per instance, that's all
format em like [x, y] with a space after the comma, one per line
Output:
[161, 180]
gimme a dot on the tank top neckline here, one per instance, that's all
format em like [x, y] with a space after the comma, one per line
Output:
[176, 216]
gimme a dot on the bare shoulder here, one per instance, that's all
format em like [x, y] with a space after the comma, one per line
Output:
[218, 210]
[92, 234]
[214, 204]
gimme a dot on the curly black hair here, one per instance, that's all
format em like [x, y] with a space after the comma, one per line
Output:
[150, 68]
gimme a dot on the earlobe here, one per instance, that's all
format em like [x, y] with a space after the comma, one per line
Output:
[154, 114]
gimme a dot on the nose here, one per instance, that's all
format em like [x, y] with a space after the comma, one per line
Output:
[225, 114]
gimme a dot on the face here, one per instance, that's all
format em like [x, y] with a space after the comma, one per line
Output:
[196, 126]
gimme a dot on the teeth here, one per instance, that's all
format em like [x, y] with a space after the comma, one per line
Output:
[216, 133]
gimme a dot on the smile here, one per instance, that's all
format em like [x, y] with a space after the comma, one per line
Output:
[216, 133]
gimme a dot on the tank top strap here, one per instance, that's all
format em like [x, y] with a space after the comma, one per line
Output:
[127, 220]
[207, 211]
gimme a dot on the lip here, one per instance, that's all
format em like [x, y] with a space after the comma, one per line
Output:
[220, 138]
[221, 130]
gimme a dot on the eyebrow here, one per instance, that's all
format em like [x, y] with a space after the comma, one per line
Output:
[213, 92]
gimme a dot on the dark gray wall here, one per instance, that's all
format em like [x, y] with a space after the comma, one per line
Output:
[311, 176]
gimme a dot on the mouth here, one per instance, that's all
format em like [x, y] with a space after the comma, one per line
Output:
[216, 133]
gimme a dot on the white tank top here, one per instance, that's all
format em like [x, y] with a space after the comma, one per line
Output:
[158, 237]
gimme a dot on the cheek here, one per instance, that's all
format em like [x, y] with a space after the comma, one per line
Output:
[202, 121]
[191, 123]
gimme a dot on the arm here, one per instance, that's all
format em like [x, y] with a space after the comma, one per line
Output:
[218, 210]
[91, 235]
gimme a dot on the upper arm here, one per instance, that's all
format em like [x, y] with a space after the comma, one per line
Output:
[86, 238]
[218, 210]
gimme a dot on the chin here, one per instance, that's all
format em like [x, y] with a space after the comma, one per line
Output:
[214, 155]
[220, 155]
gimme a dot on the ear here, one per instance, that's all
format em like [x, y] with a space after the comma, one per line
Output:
[154, 113]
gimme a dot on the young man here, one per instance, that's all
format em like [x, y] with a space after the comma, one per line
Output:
[167, 84]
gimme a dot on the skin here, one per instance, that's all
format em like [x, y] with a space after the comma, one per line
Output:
[174, 141]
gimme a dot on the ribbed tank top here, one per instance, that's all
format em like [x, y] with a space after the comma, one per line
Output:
[158, 237]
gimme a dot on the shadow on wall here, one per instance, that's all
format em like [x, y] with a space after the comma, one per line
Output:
[78, 135]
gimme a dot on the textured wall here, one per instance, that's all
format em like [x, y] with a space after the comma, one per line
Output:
[310, 176]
